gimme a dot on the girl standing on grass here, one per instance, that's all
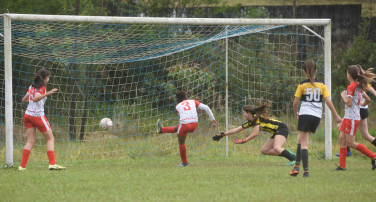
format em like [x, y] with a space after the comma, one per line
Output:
[359, 81]
[363, 125]
[311, 92]
[258, 120]
[34, 118]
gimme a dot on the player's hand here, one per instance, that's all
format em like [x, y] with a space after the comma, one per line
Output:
[240, 141]
[218, 137]
[214, 122]
[297, 115]
[338, 119]
[53, 90]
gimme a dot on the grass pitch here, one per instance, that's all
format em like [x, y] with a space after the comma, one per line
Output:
[205, 179]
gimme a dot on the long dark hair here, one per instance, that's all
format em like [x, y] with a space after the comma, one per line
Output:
[310, 70]
[181, 95]
[39, 78]
[362, 77]
[258, 111]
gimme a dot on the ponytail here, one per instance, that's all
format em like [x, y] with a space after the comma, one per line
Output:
[257, 112]
[310, 70]
[362, 77]
[39, 78]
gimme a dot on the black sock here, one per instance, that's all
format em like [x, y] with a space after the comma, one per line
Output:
[374, 142]
[348, 149]
[287, 155]
[305, 159]
[298, 155]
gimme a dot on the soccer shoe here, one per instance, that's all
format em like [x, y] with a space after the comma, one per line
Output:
[349, 153]
[22, 169]
[295, 171]
[292, 153]
[373, 162]
[159, 123]
[290, 164]
[339, 168]
[306, 174]
[183, 164]
[56, 167]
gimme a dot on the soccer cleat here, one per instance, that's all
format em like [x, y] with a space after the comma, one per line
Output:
[292, 153]
[22, 169]
[373, 162]
[295, 171]
[290, 164]
[339, 168]
[159, 123]
[183, 164]
[56, 167]
[349, 153]
[306, 174]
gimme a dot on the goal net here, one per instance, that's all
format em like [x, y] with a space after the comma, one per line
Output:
[129, 69]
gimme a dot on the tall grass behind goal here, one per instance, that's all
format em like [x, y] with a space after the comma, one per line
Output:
[129, 69]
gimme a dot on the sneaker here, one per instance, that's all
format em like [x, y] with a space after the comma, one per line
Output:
[339, 168]
[56, 167]
[295, 171]
[292, 153]
[290, 164]
[183, 164]
[22, 169]
[159, 123]
[373, 162]
[306, 174]
[349, 153]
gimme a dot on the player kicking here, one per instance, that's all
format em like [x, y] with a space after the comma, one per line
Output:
[187, 110]
[34, 118]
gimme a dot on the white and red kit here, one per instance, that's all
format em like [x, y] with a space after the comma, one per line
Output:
[187, 110]
[34, 115]
[351, 119]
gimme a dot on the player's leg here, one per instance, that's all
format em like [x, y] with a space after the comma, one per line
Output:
[161, 129]
[304, 137]
[31, 139]
[350, 140]
[296, 169]
[267, 148]
[182, 135]
[363, 128]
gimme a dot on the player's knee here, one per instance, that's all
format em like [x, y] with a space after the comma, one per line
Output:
[352, 144]
[264, 151]
[31, 142]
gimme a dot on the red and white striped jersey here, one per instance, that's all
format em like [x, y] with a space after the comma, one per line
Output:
[353, 112]
[36, 108]
[187, 110]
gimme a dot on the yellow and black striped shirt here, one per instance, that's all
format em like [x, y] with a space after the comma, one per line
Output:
[268, 125]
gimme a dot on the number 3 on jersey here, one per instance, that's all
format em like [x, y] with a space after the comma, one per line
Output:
[313, 95]
[187, 107]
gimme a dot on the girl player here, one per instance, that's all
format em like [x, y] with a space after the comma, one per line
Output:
[359, 81]
[311, 91]
[34, 118]
[257, 119]
[187, 110]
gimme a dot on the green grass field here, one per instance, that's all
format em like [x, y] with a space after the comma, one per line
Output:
[205, 179]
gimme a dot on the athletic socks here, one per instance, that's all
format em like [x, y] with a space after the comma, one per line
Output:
[51, 157]
[298, 155]
[168, 129]
[305, 159]
[287, 155]
[25, 157]
[183, 153]
[342, 157]
[365, 151]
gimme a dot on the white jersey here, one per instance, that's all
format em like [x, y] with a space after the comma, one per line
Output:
[363, 99]
[36, 108]
[353, 112]
[187, 110]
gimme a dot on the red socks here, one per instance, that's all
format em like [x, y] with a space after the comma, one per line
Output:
[342, 157]
[168, 129]
[51, 157]
[25, 157]
[365, 151]
[183, 153]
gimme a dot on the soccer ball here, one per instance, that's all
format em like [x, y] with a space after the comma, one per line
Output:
[106, 123]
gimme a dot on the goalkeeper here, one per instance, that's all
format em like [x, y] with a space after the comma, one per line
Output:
[258, 120]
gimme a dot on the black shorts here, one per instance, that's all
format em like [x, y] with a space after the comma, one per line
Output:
[364, 113]
[282, 130]
[308, 123]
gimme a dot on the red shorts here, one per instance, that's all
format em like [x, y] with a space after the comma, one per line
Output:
[40, 122]
[349, 126]
[184, 129]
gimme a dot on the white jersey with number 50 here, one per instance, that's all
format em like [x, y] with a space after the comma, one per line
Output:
[187, 110]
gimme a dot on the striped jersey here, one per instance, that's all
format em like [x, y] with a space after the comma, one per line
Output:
[353, 112]
[36, 108]
[269, 125]
[311, 97]
[362, 99]
[187, 110]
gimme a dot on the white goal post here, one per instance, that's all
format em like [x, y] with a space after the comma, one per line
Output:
[9, 18]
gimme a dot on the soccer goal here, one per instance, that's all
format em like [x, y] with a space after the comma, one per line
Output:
[128, 69]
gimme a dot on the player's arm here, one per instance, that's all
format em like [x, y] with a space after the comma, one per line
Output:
[208, 111]
[367, 99]
[26, 98]
[347, 100]
[372, 90]
[230, 132]
[38, 96]
[295, 106]
[331, 107]
[255, 132]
